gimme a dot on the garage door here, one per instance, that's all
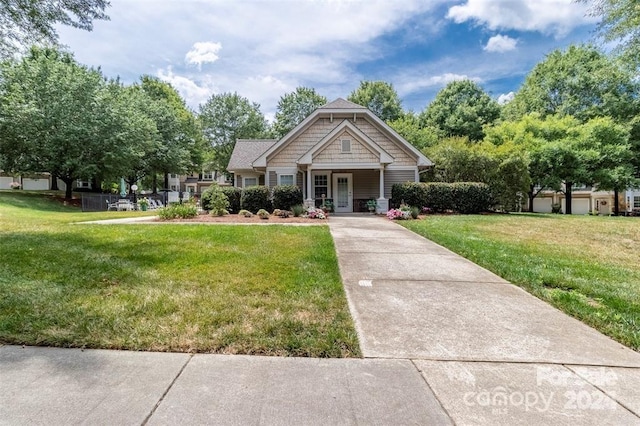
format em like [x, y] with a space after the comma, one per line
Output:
[578, 206]
[542, 205]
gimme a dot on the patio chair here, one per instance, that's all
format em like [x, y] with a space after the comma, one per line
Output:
[110, 206]
[124, 205]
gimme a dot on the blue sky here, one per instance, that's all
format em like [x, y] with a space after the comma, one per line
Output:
[263, 49]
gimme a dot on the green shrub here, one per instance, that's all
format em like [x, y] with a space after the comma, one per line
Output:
[462, 197]
[214, 200]
[245, 213]
[234, 195]
[411, 193]
[178, 211]
[297, 210]
[255, 198]
[263, 214]
[285, 196]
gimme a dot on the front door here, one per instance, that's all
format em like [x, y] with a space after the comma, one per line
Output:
[343, 192]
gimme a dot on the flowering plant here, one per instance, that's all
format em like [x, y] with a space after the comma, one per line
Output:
[314, 213]
[403, 213]
[143, 202]
[14, 185]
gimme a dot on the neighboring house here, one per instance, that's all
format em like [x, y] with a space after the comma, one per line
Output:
[37, 182]
[342, 151]
[585, 200]
[198, 182]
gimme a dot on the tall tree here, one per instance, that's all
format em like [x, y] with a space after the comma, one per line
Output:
[225, 118]
[581, 82]
[49, 118]
[180, 147]
[294, 107]
[380, 97]
[408, 126]
[27, 22]
[461, 109]
[620, 23]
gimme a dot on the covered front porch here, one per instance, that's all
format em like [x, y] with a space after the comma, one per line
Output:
[348, 189]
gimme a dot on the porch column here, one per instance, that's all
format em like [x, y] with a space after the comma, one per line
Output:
[383, 203]
[309, 201]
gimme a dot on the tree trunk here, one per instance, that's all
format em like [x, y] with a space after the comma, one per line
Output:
[166, 181]
[68, 194]
[54, 182]
[531, 197]
[616, 203]
[568, 187]
[95, 184]
[154, 184]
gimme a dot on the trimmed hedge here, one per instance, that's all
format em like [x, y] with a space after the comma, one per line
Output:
[234, 195]
[255, 198]
[461, 197]
[285, 196]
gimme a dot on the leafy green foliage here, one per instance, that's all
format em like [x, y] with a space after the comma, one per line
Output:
[178, 211]
[234, 195]
[255, 198]
[581, 82]
[380, 97]
[294, 107]
[408, 126]
[619, 24]
[214, 200]
[461, 109]
[24, 23]
[285, 196]
[462, 197]
[224, 119]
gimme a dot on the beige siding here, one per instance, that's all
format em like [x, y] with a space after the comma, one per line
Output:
[273, 179]
[397, 176]
[400, 156]
[288, 156]
[366, 184]
[332, 153]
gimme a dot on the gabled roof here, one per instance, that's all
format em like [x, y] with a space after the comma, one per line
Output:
[246, 151]
[341, 104]
[384, 157]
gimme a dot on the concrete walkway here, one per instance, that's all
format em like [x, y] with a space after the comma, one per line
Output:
[445, 342]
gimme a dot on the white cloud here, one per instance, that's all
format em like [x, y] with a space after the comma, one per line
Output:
[193, 94]
[203, 52]
[556, 17]
[500, 43]
[505, 97]
[412, 83]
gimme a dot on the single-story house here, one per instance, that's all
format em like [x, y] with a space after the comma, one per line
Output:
[342, 152]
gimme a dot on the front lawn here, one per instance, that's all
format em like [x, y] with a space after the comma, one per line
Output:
[587, 266]
[226, 289]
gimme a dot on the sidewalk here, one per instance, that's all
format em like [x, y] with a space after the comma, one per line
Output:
[444, 342]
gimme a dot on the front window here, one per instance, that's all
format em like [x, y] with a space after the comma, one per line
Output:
[636, 202]
[321, 186]
[207, 175]
[250, 181]
[286, 179]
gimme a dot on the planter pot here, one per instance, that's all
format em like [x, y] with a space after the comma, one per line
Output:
[143, 208]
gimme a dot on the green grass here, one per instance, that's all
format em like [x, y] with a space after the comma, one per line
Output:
[272, 290]
[586, 266]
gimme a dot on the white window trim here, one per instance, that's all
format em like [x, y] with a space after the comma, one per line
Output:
[328, 173]
[244, 180]
[293, 178]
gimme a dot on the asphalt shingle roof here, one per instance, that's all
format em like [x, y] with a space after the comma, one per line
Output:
[342, 104]
[247, 151]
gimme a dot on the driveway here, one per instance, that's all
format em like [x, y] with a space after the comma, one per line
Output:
[478, 340]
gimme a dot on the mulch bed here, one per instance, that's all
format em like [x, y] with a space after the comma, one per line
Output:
[234, 218]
